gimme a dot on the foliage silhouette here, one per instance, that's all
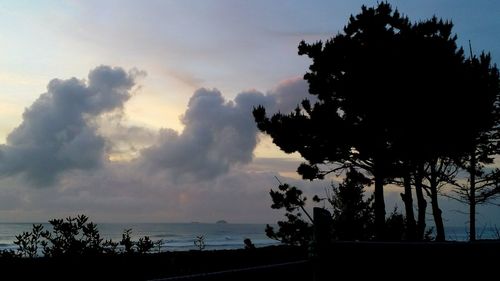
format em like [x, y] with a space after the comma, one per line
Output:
[295, 230]
[126, 242]
[28, 242]
[395, 99]
[158, 244]
[144, 245]
[352, 215]
[76, 237]
[8, 254]
[71, 237]
[199, 242]
[482, 185]
[110, 247]
[248, 244]
[395, 226]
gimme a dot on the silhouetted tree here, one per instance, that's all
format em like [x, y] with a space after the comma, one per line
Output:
[464, 120]
[126, 242]
[413, 175]
[482, 183]
[407, 197]
[352, 215]
[393, 99]
[438, 173]
[348, 126]
[295, 230]
[396, 226]
[481, 187]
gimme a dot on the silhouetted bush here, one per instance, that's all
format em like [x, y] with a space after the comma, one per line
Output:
[352, 215]
[144, 245]
[109, 247]
[199, 242]
[395, 226]
[76, 237]
[29, 242]
[126, 242]
[72, 237]
[248, 244]
[8, 254]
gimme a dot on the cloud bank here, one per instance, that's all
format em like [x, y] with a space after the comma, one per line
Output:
[57, 133]
[204, 173]
[69, 134]
[218, 134]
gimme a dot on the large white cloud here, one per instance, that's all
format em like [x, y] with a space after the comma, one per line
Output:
[218, 134]
[57, 133]
[63, 130]
[67, 136]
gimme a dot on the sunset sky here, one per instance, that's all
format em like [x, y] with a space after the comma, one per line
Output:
[137, 111]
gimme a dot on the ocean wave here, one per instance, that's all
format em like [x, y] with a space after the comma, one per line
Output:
[166, 235]
[217, 243]
[175, 236]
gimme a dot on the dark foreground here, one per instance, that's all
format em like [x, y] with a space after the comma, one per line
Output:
[229, 264]
[343, 261]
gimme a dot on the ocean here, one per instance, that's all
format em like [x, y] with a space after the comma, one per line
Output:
[174, 236]
[217, 236]
[461, 233]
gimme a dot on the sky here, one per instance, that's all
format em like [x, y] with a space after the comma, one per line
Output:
[140, 111]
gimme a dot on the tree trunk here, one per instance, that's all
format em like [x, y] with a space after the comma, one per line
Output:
[436, 211]
[379, 204]
[438, 219]
[411, 227]
[472, 196]
[421, 203]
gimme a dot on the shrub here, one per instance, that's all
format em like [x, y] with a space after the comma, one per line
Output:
[76, 237]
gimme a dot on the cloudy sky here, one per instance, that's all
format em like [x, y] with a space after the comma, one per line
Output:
[141, 110]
